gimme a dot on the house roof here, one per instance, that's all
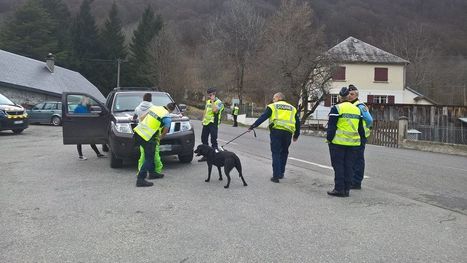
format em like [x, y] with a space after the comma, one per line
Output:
[30, 74]
[421, 96]
[356, 51]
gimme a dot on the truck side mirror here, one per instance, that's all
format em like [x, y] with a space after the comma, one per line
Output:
[96, 109]
[182, 107]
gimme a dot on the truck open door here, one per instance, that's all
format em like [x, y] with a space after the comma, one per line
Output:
[85, 119]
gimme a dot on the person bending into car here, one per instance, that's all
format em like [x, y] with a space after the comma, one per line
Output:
[165, 127]
[83, 108]
[147, 133]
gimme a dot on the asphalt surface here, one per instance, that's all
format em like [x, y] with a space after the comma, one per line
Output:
[55, 208]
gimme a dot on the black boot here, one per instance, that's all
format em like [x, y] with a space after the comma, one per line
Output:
[143, 183]
[155, 175]
[338, 193]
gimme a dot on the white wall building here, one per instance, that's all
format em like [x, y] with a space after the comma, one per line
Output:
[378, 75]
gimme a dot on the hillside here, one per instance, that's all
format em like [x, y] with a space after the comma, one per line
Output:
[445, 20]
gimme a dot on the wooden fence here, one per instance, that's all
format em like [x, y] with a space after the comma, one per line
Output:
[436, 123]
[384, 133]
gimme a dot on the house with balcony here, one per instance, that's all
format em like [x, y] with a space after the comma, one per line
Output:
[379, 76]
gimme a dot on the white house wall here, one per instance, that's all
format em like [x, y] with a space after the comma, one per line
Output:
[362, 76]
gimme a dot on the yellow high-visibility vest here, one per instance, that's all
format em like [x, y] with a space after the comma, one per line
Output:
[283, 116]
[347, 125]
[150, 125]
[365, 126]
[235, 110]
[209, 114]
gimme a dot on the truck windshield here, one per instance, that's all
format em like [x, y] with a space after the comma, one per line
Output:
[5, 101]
[129, 101]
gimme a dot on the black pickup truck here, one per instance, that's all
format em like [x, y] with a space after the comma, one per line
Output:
[111, 124]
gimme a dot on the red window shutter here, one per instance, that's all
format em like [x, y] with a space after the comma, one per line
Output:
[390, 99]
[339, 74]
[369, 99]
[381, 74]
[327, 101]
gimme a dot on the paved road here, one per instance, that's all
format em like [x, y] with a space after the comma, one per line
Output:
[436, 179]
[54, 208]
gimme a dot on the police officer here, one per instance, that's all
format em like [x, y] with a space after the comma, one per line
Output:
[283, 124]
[235, 114]
[147, 133]
[359, 164]
[344, 137]
[164, 129]
[211, 119]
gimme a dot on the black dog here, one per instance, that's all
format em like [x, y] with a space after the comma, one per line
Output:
[222, 158]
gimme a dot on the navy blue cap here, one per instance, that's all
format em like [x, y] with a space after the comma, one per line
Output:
[352, 87]
[211, 90]
[344, 92]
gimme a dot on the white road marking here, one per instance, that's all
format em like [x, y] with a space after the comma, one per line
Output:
[227, 141]
[317, 164]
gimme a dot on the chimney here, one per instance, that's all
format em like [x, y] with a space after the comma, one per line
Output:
[50, 61]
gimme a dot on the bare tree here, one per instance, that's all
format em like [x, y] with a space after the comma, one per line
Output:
[415, 44]
[237, 33]
[167, 68]
[293, 57]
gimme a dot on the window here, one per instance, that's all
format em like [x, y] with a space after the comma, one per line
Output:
[38, 106]
[334, 99]
[339, 74]
[50, 106]
[80, 104]
[378, 99]
[381, 74]
[331, 100]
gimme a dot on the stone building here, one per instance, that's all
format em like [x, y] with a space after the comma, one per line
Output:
[28, 81]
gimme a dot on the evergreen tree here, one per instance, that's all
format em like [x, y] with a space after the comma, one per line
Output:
[59, 12]
[112, 38]
[113, 47]
[29, 32]
[85, 44]
[85, 34]
[140, 58]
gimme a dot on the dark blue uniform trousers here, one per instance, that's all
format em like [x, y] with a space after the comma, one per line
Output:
[280, 142]
[210, 129]
[359, 165]
[342, 159]
[149, 152]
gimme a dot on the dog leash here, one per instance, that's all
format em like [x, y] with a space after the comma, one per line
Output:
[254, 133]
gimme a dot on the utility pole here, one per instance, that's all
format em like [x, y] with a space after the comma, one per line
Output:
[118, 72]
[119, 61]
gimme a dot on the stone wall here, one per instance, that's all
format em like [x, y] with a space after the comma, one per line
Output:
[457, 149]
[26, 98]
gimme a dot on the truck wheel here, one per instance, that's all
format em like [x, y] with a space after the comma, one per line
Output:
[56, 121]
[115, 162]
[186, 158]
[18, 131]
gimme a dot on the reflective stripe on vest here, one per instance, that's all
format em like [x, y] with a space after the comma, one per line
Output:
[347, 125]
[282, 116]
[365, 127]
[149, 125]
[209, 114]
